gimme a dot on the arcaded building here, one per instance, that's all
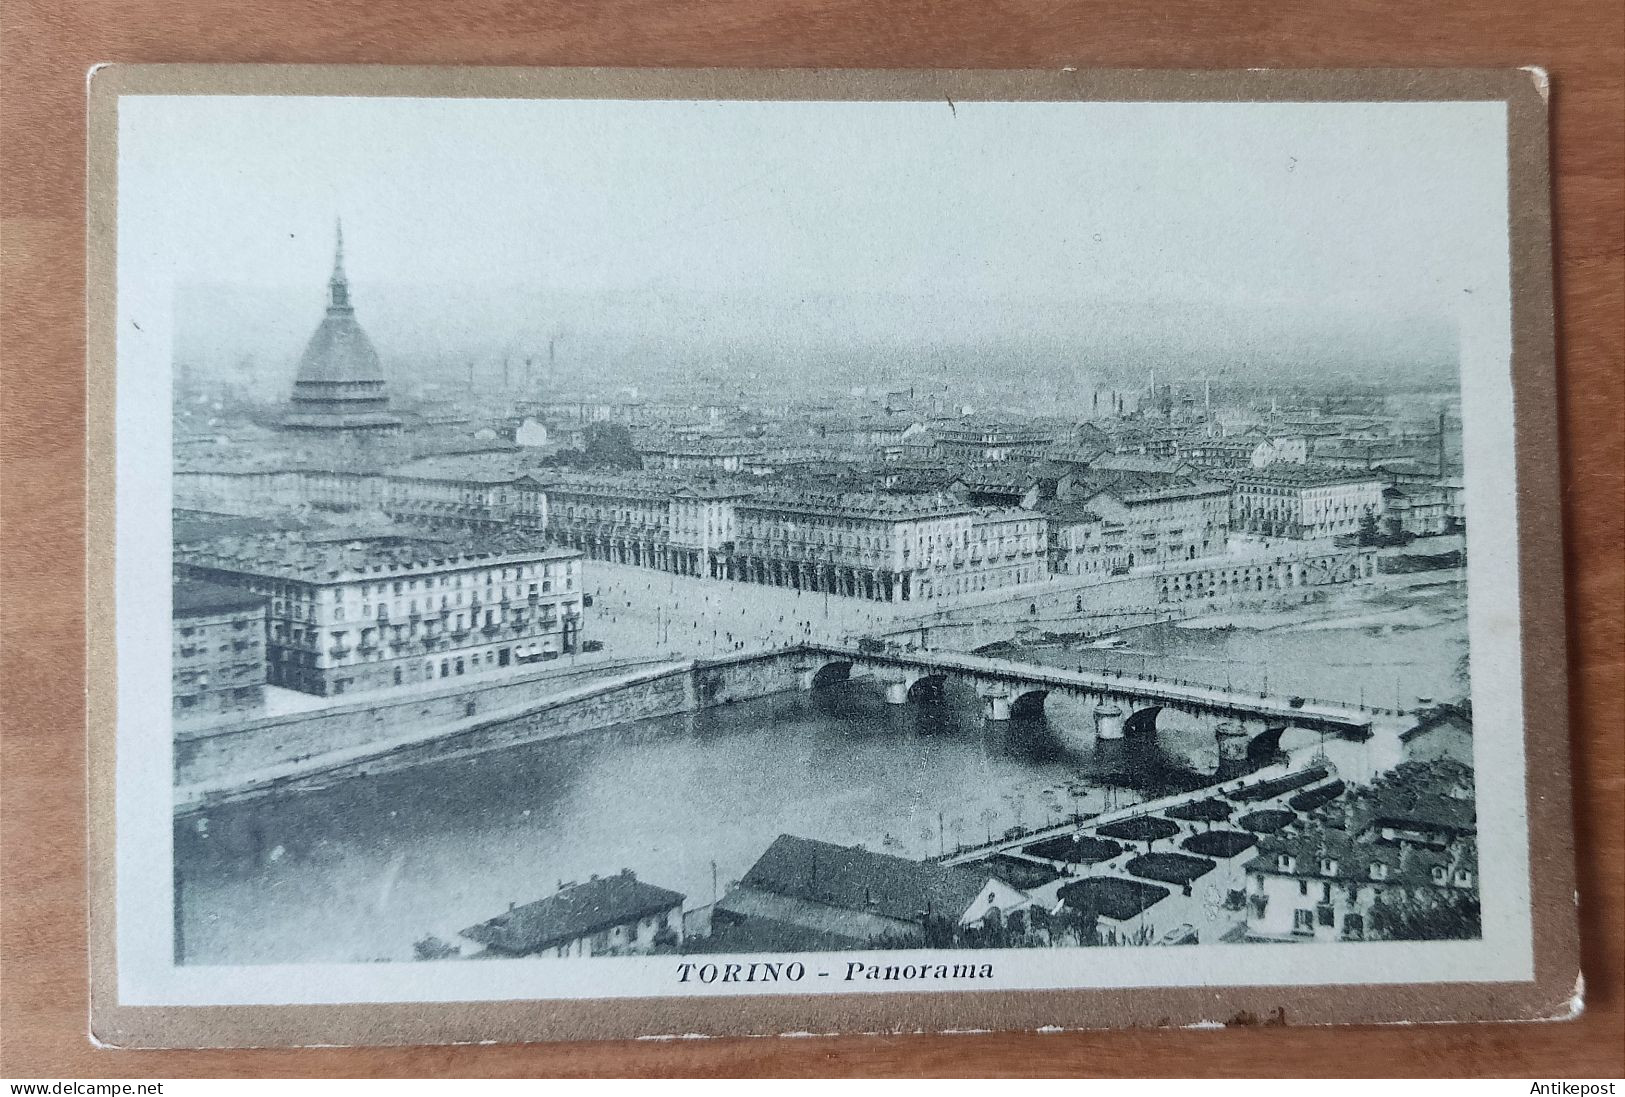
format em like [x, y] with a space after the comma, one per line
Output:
[884, 547]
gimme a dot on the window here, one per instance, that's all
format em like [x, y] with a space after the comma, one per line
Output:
[1303, 887]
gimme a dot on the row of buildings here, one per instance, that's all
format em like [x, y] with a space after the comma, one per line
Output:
[892, 534]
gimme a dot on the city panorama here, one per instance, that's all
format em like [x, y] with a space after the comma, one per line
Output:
[611, 632]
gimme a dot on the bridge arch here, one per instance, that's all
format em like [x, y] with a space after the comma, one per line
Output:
[927, 687]
[830, 673]
[1142, 721]
[915, 685]
[1026, 704]
[1265, 746]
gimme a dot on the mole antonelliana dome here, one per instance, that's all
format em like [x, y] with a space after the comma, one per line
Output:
[340, 388]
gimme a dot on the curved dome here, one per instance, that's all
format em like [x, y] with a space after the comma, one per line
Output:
[340, 386]
[339, 351]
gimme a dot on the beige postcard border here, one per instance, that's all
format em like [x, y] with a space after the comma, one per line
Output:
[1550, 994]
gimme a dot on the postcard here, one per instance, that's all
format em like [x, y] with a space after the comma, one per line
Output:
[644, 553]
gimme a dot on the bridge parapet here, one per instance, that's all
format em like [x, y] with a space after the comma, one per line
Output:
[1349, 721]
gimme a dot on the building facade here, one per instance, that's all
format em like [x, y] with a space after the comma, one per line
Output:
[362, 616]
[1323, 885]
[1168, 524]
[217, 652]
[1305, 501]
[700, 454]
[618, 517]
[981, 442]
[1081, 542]
[883, 547]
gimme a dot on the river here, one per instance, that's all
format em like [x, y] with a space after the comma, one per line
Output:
[361, 870]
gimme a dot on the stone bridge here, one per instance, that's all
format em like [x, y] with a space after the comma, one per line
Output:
[1249, 727]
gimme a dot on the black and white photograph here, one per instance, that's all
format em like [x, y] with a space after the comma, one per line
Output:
[615, 547]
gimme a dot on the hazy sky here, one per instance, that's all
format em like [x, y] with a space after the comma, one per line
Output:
[1389, 211]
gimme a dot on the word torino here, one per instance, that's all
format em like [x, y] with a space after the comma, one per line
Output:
[758, 972]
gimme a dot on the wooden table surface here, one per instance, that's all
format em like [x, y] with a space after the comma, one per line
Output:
[46, 47]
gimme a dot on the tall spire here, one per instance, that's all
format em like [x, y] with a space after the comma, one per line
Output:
[338, 286]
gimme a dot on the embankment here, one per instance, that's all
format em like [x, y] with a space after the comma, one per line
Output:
[306, 750]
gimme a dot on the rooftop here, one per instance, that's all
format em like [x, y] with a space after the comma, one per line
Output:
[854, 878]
[576, 910]
[860, 504]
[1196, 490]
[307, 558]
[494, 467]
[1325, 853]
[1304, 476]
[195, 598]
[1063, 513]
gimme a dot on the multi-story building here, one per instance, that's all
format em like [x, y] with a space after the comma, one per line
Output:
[217, 666]
[980, 442]
[1081, 542]
[348, 617]
[700, 454]
[624, 518]
[884, 547]
[1006, 548]
[1304, 501]
[1226, 453]
[1325, 885]
[1417, 508]
[702, 526]
[249, 485]
[1167, 524]
[476, 492]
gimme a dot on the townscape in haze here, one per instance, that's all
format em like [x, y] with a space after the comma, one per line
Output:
[538, 665]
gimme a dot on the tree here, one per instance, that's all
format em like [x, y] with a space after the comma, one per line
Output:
[1368, 529]
[1080, 922]
[1426, 916]
[609, 445]
[433, 948]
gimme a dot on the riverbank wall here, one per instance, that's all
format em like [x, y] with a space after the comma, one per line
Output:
[1079, 609]
[309, 750]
